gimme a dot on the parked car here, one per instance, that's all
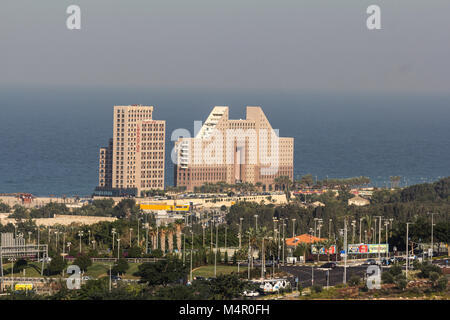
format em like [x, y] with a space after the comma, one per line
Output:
[250, 293]
[370, 262]
[116, 278]
[86, 278]
[328, 266]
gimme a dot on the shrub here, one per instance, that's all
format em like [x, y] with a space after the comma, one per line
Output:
[387, 277]
[395, 270]
[354, 280]
[441, 283]
[317, 288]
[427, 268]
[400, 281]
[434, 276]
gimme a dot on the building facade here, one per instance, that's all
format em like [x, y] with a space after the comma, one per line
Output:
[233, 151]
[134, 159]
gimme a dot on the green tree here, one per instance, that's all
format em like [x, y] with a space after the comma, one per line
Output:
[162, 272]
[120, 267]
[83, 261]
[56, 265]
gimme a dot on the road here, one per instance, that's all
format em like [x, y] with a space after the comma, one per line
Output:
[304, 274]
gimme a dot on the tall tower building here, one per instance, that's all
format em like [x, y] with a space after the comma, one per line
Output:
[134, 159]
[232, 151]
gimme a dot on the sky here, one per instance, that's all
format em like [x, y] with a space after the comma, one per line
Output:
[290, 45]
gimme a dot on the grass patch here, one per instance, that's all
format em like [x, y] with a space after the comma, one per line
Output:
[208, 271]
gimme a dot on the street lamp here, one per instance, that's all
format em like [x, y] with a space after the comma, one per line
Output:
[131, 229]
[240, 232]
[80, 234]
[118, 248]
[293, 227]
[432, 225]
[113, 232]
[407, 252]
[360, 224]
[256, 222]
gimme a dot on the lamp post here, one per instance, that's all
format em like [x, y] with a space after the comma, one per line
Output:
[80, 234]
[329, 228]
[379, 237]
[360, 224]
[432, 244]
[407, 252]
[113, 231]
[118, 248]
[131, 229]
[293, 227]
[346, 250]
[256, 222]
[192, 249]
[215, 256]
[240, 232]
[68, 246]
[386, 223]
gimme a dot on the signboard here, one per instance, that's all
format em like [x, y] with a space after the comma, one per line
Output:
[368, 248]
[323, 250]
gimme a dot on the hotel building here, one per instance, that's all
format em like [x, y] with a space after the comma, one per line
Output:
[232, 151]
[134, 159]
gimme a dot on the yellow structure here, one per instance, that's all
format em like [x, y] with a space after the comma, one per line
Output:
[23, 286]
[165, 207]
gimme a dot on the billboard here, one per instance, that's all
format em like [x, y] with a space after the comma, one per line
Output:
[368, 248]
[323, 250]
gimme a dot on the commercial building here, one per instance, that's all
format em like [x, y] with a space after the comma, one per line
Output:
[134, 159]
[233, 151]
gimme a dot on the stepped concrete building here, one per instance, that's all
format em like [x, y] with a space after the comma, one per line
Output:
[134, 159]
[246, 150]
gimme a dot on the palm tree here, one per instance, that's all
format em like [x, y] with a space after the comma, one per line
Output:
[162, 231]
[369, 226]
[179, 226]
[284, 183]
[170, 230]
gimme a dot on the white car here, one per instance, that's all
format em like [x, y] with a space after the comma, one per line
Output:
[48, 259]
[250, 293]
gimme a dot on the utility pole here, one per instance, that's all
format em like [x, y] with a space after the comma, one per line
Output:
[215, 256]
[407, 252]
[432, 242]
[360, 223]
[346, 250]
[192, 249]
[240, 232]
[284, 240]
[379, 239]
[256, 222]
[293, 228]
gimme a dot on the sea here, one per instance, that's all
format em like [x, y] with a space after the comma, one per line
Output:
[49, 137]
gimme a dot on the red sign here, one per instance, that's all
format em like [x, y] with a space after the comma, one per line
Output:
[363, 248]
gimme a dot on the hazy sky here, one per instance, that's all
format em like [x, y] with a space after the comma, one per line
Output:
[294, 45]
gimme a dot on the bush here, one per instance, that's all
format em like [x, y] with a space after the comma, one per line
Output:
[317, 288]
[427, 268]
[120, 267]
[434, 276]
[400, 281]
[441, 283]
[395, 270]
[83, 261]
[354, 281]
[387, 277]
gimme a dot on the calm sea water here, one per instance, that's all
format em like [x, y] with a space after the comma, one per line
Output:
[49, 139]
